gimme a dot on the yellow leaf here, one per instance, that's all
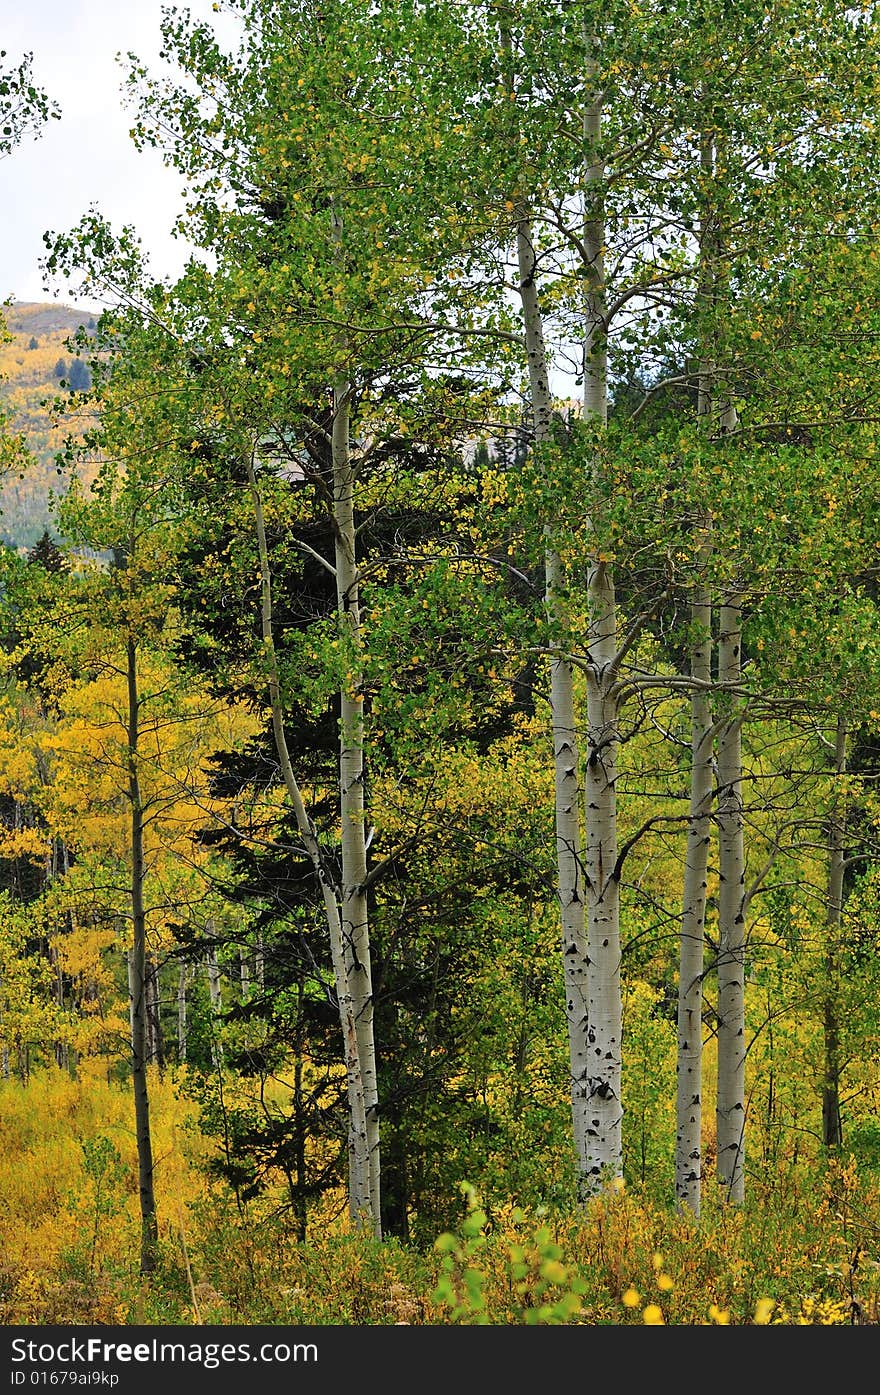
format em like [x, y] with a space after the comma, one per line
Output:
[763, 1308]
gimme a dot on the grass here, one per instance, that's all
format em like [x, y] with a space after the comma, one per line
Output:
[804, 1250]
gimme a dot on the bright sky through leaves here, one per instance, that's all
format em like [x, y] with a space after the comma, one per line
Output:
[87, 156]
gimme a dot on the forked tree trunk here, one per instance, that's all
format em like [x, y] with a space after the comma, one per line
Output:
[359, 1197]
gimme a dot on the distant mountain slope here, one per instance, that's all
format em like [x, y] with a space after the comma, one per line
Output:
[32, 366]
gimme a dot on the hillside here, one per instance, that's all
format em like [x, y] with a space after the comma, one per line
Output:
[32, 365]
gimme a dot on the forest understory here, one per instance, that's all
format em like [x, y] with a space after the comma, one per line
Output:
[804, 1250]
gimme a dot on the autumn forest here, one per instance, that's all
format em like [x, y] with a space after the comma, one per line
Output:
[440, 679]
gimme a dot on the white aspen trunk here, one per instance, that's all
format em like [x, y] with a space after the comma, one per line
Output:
[689, 1058]
[244, 966]
[214, 980]
[353, 900]
[832, 1127]
[731, 1108]
[215, 995]
[567, 822]
[603, 888]
[359, 1200]
[260, 961]
[150, 1011]
[565, 742]
[601, 872]
[214, 990]
[181, 1013]
[689, 1089]
[155, 1045]
[688, 1156]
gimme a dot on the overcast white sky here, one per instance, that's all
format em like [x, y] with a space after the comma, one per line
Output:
[86, 157]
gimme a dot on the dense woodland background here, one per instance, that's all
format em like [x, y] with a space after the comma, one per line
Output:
[440, 700]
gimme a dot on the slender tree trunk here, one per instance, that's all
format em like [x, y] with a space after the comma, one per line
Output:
[215, 994]
[360, 1207]
[149, 1226]
[181, 1012]
[150, 1014]
[61, 1051]
[731, 1111]
[155, 1042]
[603, 888]
[353, 900]
[300, 1204]
[689, 1061]
[565, 743]
[129, 966]
[832, 1129]
[689, 1094]
[601, 872]
[688, 1164]
[771, 1133]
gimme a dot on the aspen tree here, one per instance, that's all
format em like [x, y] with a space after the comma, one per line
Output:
[731, 1104]
[715, 413]
[361, 1199]
[569, 843]
[601, 865]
